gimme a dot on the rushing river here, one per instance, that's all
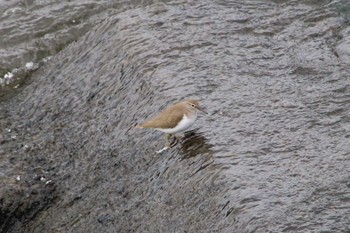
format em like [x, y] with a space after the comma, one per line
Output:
[273, 155]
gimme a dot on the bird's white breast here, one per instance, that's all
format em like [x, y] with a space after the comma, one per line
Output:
[185, 123]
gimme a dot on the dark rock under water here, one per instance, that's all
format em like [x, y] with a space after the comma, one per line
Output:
[273, 156]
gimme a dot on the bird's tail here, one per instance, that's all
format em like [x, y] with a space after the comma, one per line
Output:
[138, 127]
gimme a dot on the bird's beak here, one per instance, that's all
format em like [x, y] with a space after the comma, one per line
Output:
[201, 109]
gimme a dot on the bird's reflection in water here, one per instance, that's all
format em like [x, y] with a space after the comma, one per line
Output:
[194, 143]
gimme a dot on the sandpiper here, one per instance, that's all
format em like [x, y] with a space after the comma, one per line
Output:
[174, 119]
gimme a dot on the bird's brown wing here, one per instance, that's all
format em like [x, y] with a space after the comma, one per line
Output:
[166, 119]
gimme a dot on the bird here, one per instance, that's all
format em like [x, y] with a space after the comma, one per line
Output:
[175, 118]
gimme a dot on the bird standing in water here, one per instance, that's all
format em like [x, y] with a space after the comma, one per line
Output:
[174, 119]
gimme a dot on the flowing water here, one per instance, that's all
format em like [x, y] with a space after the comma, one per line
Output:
[273, 155]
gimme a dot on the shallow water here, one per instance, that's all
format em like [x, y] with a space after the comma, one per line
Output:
[272, 156]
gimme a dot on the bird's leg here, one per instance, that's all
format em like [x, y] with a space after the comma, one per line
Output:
[177, 139]
[168, 144]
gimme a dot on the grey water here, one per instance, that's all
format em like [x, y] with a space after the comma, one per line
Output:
[273, 155]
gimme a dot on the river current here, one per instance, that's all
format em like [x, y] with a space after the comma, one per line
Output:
[272, 155]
